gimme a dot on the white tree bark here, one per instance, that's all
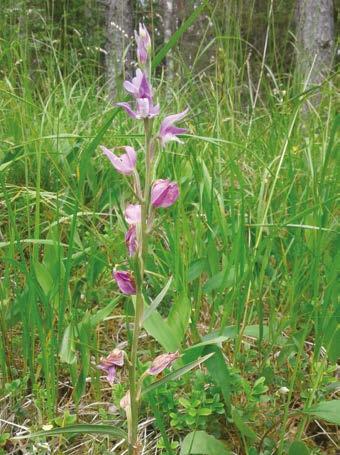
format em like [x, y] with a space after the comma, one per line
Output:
[119, 26]
[315, 38]
[169, 26]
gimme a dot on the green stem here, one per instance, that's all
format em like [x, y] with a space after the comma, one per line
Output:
[139, 308]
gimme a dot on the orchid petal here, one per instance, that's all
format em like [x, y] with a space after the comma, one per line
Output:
[127, 108]
[133, 213]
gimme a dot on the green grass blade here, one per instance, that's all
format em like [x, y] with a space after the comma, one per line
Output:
[83, 428]
[161, 54]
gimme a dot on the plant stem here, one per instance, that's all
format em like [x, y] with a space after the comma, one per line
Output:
[139, 308]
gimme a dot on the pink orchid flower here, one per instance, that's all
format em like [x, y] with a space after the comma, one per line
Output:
[109, 364]
[164, 193]
[144, 109]
[139, 87]
[125, 282]
[125, 402]
[161, 362]
[131, 240]
[133, 213]
[124, 164]
[168, 131]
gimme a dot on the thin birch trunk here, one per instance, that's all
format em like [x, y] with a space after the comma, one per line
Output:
[169, 26]
[315, 39]
[119, 26]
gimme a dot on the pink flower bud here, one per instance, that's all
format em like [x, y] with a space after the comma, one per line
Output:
[125, 282]
[133, 213]
[109, 363]
[161, 362]
[164, 193]
[131, 239]
[125, 402]
[143, 42]
[126, 163]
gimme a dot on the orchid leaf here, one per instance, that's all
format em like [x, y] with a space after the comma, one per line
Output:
[67, 349]
[154, 304]
[196, 268]
[220, 372]
[158, 328]
[179, 316]
[100, 315]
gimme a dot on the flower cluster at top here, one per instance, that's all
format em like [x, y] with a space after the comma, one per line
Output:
[164, 192]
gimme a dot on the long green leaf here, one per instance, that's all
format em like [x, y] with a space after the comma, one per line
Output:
[154, 304]
[179, 316]
[158, 328]
[219, 372]
[82, 428]
[176, 374]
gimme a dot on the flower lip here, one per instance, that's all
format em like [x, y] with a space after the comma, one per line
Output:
[164, 193]
[161, 362]
[125, 281]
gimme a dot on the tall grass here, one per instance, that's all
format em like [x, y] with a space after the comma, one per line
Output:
[252, 244]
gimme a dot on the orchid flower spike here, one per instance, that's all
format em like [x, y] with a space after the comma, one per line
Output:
[125, 282]
[143, 42]
[109, 364]
[133, 213]
[124, 164]
[164, 193]
[161, 362]
[168, 131]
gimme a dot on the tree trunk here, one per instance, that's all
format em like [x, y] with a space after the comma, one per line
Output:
[169, 26]
[315, 39]
[119, 26]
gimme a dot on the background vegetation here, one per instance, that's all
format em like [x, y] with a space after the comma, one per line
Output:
[251, 245]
